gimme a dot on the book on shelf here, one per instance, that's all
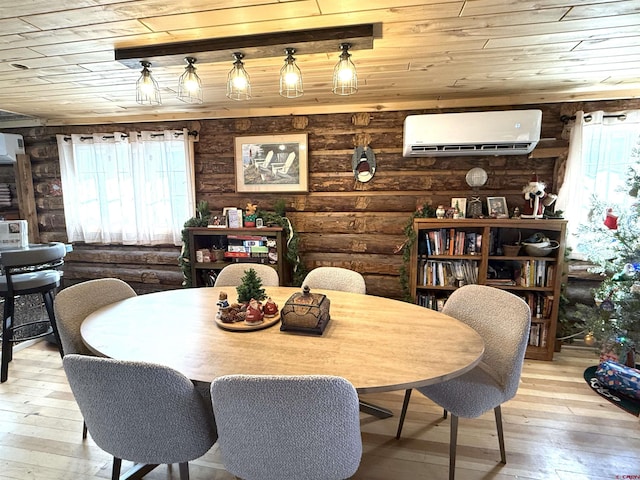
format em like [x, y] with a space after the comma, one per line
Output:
[431, 301]
[538, 334]
[449, 241]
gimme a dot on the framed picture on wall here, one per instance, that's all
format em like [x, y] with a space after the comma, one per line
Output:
[271, 163]
[497, 207]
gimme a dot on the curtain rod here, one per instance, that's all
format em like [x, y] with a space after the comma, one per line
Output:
[567, 118]
[192, 133]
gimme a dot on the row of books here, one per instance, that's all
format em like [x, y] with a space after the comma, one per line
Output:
[539, 303]
[248, 247]
[431, 301]
[535, 273]
[448, 272]
[538, 335]
[449, 241]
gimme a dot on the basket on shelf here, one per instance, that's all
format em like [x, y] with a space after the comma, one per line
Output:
[511, 250]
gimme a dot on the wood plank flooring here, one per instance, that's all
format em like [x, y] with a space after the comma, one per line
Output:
[555, 428]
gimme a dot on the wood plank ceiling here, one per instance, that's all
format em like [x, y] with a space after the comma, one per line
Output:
[435, 54]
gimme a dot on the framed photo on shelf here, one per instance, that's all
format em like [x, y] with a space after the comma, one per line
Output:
[497, 207]
[461, 203]
[233, 217]
[272, 163]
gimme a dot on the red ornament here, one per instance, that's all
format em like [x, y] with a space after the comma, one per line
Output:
[611, 220]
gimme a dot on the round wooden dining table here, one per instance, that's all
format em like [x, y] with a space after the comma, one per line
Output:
[376, 343]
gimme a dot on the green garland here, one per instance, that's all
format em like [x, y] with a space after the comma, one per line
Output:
[200, 220]
[424, 212]
[292, 239]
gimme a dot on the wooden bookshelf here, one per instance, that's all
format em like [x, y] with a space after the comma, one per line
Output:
[450, 253]
[259, 245]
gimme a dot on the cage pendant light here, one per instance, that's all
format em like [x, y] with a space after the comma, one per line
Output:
[189, 85]
[147, 90]
[238, 83]
[290, 76]
[345, 77]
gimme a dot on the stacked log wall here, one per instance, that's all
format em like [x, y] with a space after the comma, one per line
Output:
[341, 222]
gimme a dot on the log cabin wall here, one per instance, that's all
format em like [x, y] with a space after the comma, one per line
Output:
[341, 221]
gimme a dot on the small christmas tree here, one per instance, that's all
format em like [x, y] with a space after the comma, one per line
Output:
[611, 240]
[251, 287]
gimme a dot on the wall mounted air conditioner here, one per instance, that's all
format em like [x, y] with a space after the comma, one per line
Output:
[10, 146]
[512, 132]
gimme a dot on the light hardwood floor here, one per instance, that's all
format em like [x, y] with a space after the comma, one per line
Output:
[555, 428]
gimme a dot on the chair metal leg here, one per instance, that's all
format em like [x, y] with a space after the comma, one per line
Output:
[84, 430]
[453, 441]
[405, 405]
[503, 453]
[48, 303]
[444, 413]
[7, 338]
[115, 470]
[184, 470]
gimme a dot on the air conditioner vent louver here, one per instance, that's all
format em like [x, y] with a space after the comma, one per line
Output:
[480, 148]
[514, 132]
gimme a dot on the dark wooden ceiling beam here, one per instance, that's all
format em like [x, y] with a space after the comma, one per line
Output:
[214, 50]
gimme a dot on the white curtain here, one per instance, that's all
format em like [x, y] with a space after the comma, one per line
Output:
[599, 158]
[135, 189]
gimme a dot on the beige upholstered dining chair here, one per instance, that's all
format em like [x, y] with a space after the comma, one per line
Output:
[502, 320]
[335, 278]
[231, 275]
[141, 412]
[287, 427]
[74, 303]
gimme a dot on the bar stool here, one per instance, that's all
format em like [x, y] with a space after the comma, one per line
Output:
[28, 271]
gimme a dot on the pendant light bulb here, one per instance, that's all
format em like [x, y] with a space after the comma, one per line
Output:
[147, 90]
[345, 77]
[290, 76]
[189, 85]
[238, 82]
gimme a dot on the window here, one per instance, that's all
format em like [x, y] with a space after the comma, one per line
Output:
[600, 154]
[135, 189]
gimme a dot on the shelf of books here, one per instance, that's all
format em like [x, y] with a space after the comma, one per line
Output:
[450, 253]
[212, 249]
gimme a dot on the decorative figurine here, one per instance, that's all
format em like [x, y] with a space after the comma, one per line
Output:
[536, 199]
[250, 215]
[440, 211]
[223, 301]
[270, 308]
[254, 313]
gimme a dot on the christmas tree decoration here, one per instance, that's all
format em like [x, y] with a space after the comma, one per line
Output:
[611, 220]
[250, 288]
[589, 339]
[613, 246]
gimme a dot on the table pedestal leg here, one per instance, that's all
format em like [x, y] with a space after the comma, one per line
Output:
[137, 471]
[375, 410]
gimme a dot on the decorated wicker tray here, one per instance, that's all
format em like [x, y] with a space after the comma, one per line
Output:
[243, 327]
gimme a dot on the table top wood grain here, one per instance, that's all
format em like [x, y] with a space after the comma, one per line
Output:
[378, 344]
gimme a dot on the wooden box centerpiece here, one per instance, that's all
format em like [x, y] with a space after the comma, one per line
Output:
[305, 312]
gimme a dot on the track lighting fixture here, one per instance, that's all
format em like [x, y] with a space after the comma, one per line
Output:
[189, 85]
[147, 90]
[238, 84]
[345, 78]
[290, 76]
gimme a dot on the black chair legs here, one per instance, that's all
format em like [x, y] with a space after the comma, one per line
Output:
[498, 413]
[8, 327]
[7, 339]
